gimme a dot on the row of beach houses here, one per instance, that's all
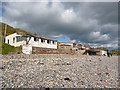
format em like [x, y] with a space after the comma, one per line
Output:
[17, 40]
[32, 40]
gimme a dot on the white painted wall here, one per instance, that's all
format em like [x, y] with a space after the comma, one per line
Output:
[27, 49]
[104, 52]
[10, 38]
[31, 42]
[42, 44]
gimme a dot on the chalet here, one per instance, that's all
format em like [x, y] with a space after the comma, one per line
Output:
[34, 40]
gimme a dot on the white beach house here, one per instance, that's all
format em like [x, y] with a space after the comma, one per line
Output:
[36, 41]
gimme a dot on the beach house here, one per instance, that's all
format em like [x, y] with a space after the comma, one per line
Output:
[33, 40]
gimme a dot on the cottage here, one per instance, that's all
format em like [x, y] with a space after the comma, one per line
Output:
[103, 53]
[14, 41]
[66, 45]
[83, 47]
[92, 51]
[34, 40]
[79, 46]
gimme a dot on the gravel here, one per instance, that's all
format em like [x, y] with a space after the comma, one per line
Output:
[58, 71]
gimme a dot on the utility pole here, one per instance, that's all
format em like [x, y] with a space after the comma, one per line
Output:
[5, 32]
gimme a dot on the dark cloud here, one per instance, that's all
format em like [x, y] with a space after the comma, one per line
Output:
[92, 22]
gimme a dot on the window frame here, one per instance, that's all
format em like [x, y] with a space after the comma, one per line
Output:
[42, 40]
[8, 41]
[13, 39]
[48, 41]
[36, 39]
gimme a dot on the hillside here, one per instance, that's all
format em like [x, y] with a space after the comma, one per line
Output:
[114, 52]
[5, 48]
[11, 30]
[102, 48]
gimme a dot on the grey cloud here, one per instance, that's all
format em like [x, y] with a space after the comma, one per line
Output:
[105, 12]
[48, 21]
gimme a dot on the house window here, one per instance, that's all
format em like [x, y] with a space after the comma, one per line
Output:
[74, 44]
[36, 39]
[13, 40]
[8, 41]
[42, 40]
[53, 42]
[48, 41]
[21, 38]
[18, 38]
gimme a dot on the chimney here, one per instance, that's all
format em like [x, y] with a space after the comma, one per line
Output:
[35, 34]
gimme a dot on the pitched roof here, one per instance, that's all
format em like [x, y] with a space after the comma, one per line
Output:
[40, 37]
[94, 50]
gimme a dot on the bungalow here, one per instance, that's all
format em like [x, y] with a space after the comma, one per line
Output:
[93, 51]
[103, 53]
[79, 46]
[63, 45]
[34, 40]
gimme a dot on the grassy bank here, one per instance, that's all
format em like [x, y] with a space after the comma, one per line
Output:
[6, 49]
[115, 52]
[11, 30]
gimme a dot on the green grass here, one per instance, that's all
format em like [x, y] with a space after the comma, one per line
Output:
[11, 30]
[0, 49]
[0, 45]
[102, 48]
[6, 48]
[115, 52]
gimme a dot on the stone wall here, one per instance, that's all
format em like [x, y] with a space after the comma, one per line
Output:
[37, 50]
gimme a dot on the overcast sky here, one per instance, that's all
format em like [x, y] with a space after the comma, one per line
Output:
[93, 23]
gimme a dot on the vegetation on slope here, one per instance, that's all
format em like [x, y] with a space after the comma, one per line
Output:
[115, 52]
[102, 48]
[11, 30]
[0, 45]
[6, 48]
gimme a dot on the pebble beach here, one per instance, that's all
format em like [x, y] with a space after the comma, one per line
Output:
[58, 71]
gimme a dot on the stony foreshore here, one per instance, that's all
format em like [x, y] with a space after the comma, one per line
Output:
[59, 71]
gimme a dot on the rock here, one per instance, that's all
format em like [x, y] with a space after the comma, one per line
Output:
[70, 71]
[68, 79]
[40, 63]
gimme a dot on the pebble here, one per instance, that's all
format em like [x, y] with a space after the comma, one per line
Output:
[59, 71]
